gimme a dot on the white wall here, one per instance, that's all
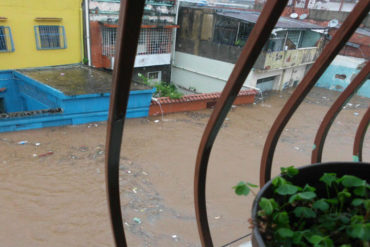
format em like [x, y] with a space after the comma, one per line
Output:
[210, 75]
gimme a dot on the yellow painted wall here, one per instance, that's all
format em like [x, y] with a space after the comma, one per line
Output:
[21, 16]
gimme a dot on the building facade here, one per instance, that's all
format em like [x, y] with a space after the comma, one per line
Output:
[40, 33]
[153, 57]
[209, 42]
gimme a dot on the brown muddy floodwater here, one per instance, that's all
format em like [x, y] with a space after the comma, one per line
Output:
[59, 199]
[76, 79]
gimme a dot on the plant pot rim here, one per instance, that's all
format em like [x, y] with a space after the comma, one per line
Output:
[256, 236]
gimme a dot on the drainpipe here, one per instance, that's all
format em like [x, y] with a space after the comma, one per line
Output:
[341, 5]
[306, 4]
[87, 23]
[174, 34]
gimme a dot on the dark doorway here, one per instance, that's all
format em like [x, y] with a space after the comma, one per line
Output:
[2, 105]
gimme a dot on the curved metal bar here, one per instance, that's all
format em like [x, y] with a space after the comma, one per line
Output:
[333, 112]
[360, 136]
[260, 33]
[128, 35]
[330, 51]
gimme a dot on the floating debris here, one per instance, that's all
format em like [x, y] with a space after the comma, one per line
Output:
[296, 148]
[356, 113]
[46, 154]
[217, 217]
[137, 220]
[22, 142]
[156, 121]
[37, 144]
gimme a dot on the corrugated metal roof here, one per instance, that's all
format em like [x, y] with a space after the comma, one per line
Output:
[250, 16]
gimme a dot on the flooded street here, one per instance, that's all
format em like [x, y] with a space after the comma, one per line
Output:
[52, 188]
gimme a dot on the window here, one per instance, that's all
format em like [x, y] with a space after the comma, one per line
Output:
[154, 41]
[109, 35]
[243, 33]
[155, 76]
[50, 37]
[151, 41]
[225, 31]
[6, 40]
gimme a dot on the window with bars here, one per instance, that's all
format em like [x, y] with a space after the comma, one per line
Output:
[226, 31]
[244, 31]
[154, 41]
[6, 40]
[151, 41]
[291, 39]
[50, 37]
[109, 35]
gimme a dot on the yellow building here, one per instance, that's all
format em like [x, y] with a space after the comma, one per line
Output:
[36, 33]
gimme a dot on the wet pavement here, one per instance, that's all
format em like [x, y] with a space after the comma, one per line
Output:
[76, 79]
[52, 187]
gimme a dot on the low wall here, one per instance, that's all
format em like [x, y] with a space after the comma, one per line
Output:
[30, 104]
[195, 102]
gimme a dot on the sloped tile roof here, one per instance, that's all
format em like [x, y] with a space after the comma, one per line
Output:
[199, 97]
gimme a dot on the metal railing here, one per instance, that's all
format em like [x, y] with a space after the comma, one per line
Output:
[130, 18]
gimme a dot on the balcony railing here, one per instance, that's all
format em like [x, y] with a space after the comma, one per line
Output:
[130, 18]
[286, 59]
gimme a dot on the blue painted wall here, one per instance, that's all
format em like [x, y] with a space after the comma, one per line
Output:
[25, 94]
[340, 74]
[13, 103]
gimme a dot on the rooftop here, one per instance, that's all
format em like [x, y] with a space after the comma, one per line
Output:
[288, 23]
[76, 79]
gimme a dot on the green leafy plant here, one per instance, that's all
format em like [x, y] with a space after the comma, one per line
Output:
[163, 89]
[303, 216]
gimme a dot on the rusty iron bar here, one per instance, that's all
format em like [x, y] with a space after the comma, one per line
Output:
[360, 136]
[334, 110]
[128, 34]
[259, 35]
[318, 68]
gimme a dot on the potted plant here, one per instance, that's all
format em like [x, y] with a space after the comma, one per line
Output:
[326, 204]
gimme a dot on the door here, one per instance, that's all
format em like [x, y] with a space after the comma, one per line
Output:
[266, 84]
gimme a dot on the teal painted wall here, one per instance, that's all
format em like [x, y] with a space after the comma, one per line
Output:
[343, 67]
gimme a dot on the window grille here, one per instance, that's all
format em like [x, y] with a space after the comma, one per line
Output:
[154, 41]
[244, 30]
[109, 35]
[6, 40]
[50, 37]
[151, 41]
[225, 31]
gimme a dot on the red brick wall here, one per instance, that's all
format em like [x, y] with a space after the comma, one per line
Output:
[97, 58]
[195, 105]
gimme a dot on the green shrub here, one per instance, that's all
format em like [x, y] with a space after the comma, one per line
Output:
[163, 89]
